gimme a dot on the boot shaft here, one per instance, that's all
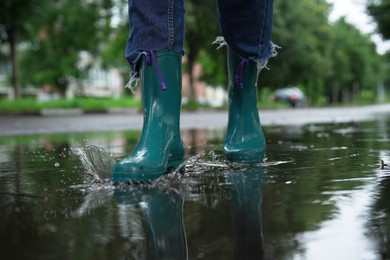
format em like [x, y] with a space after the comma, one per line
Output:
[243, 76]
[156, 74]
[242, 91]
[244, 140]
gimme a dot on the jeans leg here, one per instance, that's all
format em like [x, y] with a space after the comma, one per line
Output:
[154, 25]
[246, 27]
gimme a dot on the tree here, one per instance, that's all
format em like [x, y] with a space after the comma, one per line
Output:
[201, 30]
[356, 64]
[380, 11]
[113, 46]
[14, 15]
[305, 55]
[57, 38]
[325, 59]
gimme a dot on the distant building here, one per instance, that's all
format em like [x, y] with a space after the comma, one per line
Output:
[99, 82]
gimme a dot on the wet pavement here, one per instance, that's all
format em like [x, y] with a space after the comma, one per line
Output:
[321, 194]
[64, 123]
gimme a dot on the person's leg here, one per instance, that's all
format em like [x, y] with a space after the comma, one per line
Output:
[154, 25]
[154, 50]
[246, 28]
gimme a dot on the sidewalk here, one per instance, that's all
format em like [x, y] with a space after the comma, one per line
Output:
[21, 125]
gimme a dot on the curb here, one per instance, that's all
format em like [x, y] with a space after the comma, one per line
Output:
[78, 111]
[61, 112]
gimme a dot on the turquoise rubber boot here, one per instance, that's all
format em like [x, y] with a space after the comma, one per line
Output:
[160, 148]
[245, 142]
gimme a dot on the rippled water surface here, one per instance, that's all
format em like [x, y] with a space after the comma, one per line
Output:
[323, 193]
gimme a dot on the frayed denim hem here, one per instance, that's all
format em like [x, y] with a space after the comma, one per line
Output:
[133, 82]
[135, 68]
[261, 61]
[270, 53]
[220, 41]
[134, 74]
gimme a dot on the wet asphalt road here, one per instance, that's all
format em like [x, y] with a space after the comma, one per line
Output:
[63, 122]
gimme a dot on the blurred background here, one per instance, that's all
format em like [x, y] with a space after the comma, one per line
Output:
[70, 53]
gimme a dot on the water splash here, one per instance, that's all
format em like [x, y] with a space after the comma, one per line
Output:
[96, 161]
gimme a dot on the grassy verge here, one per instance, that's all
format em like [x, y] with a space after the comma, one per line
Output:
[31, 106]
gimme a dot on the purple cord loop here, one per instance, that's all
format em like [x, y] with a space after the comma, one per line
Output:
[151, 58]
[240, 73]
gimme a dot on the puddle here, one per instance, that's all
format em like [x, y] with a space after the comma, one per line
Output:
[322, 187]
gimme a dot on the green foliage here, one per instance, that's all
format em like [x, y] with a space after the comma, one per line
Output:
[304, 55]
[56, 38]
[201, 30]
[328, 60]
[380, 11]
[31, 106]
[13, 16]
[356, 64]
[113, 49]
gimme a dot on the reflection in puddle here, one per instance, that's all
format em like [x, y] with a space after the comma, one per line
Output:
[161, 228]
[339, 237]
[321, 194]
[95, 197]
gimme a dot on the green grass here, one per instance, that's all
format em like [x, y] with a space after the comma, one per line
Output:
[31, 106]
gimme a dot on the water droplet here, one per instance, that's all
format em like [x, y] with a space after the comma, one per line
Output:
[56, 164]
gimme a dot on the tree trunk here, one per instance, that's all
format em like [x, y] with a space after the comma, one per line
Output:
[335, 93]
[191, 62]
[355, 91]
[12, 40]
[346, 95]
[62, 85]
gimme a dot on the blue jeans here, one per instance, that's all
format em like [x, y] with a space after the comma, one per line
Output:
[159, 25]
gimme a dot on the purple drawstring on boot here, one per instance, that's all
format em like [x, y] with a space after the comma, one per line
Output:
[151, 58]
[240, 73]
